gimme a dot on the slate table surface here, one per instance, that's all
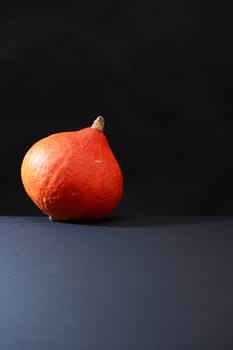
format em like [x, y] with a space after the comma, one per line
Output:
[140, 283]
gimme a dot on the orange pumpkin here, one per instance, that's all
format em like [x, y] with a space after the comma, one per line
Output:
[73, 175]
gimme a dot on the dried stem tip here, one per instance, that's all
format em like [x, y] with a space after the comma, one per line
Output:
[98, 123]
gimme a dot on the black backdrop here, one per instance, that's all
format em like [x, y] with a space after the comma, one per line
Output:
[159, 72]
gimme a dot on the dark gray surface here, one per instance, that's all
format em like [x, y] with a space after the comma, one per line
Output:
[126, 283]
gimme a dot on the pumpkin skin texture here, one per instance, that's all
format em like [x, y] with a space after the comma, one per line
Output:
[73, 175]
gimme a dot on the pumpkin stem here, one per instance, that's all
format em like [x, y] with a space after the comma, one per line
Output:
[98, 123]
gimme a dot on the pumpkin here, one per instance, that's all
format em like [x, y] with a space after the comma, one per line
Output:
[73, 175]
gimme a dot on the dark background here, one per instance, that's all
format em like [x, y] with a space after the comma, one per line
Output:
[159, 72]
